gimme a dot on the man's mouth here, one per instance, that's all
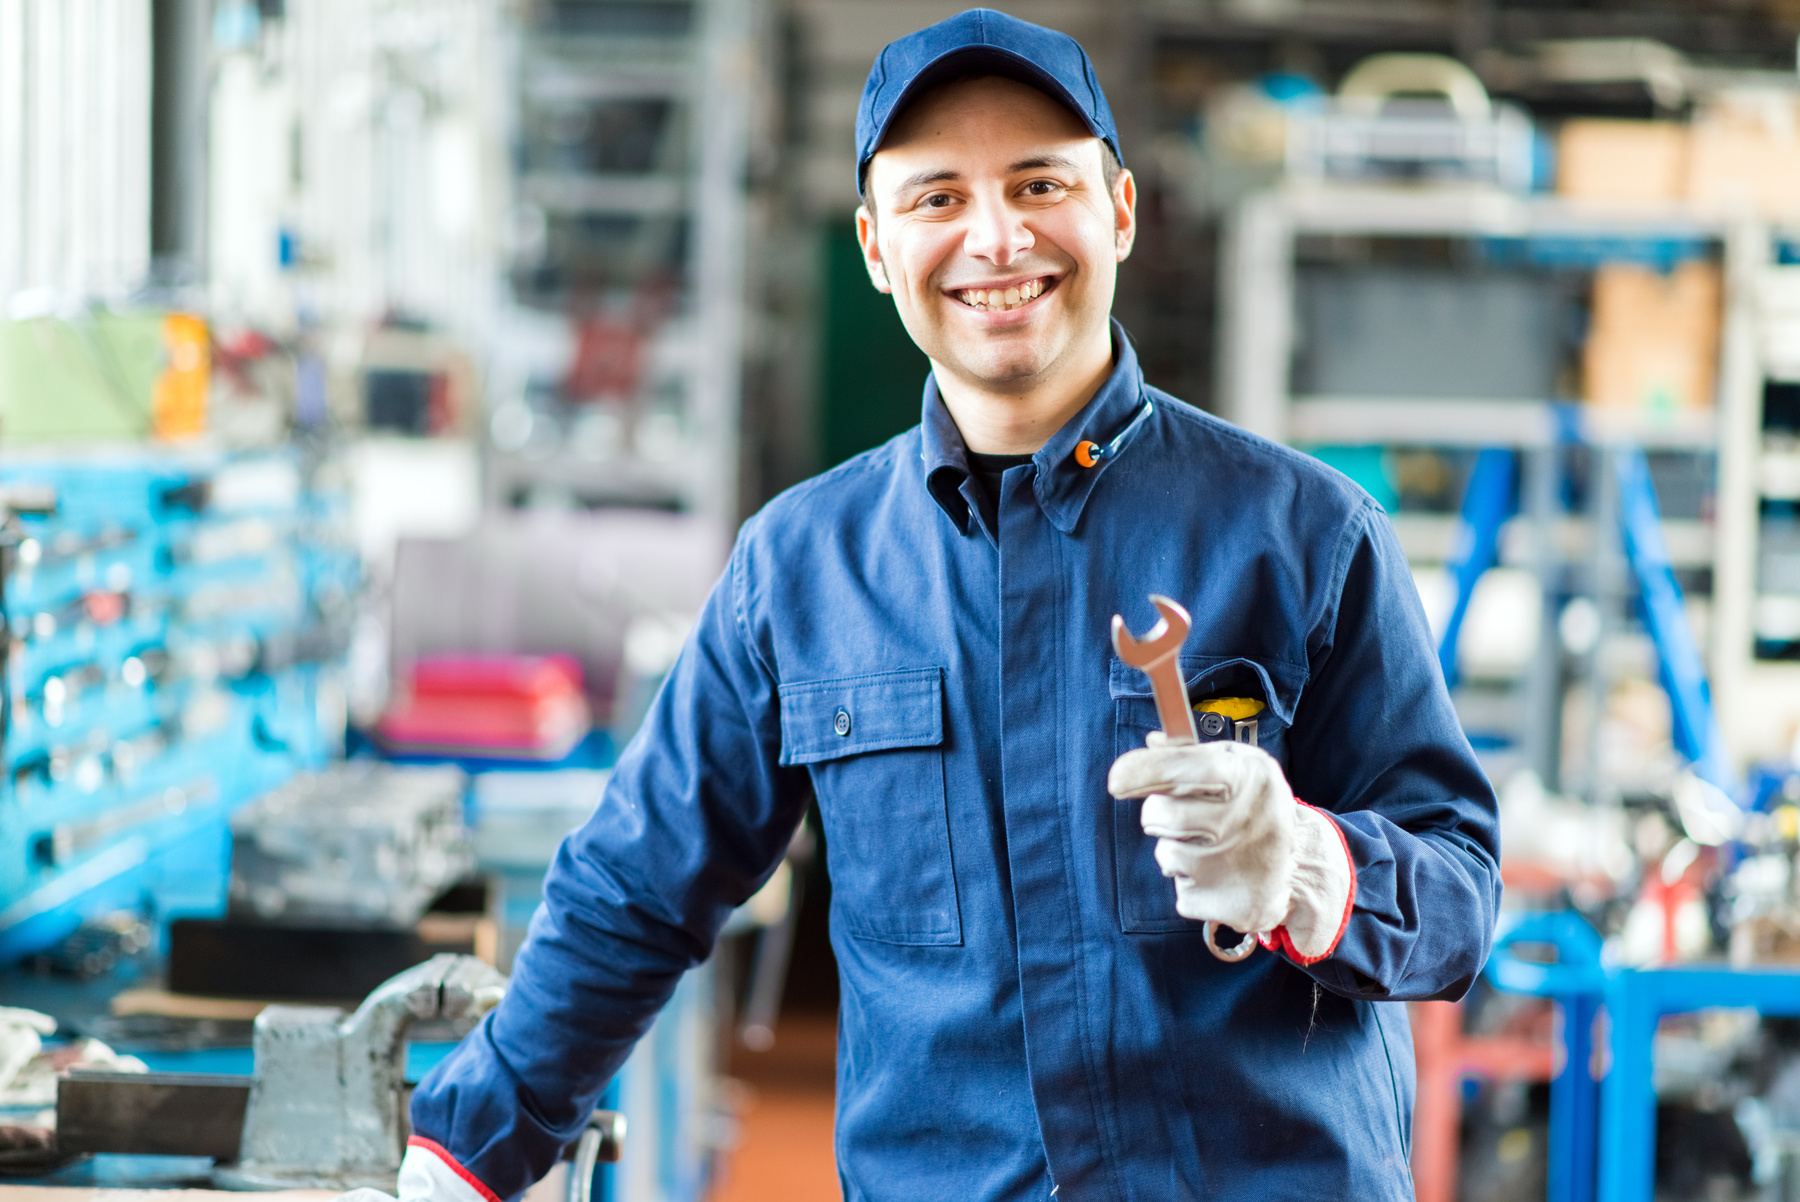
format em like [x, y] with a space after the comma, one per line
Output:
[1012, 296]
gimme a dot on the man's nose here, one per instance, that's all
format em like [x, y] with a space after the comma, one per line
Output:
[997, 232]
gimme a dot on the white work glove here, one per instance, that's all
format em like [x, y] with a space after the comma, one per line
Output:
[1242, 850]
[427, 1174]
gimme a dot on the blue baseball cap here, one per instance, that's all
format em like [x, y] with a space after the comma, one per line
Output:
[979, 40]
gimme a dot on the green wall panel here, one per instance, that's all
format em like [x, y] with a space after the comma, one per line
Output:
[872, 373]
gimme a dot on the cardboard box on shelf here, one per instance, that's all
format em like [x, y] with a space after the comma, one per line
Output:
[1653, 342]
[1622, 162]
[1745, 154]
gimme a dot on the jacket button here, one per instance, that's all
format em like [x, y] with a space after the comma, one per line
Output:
[841, 721]
[1212, 725]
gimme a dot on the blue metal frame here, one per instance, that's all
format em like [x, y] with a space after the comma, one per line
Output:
[1636, 999]
[1696, 729]
[1487, 503]
[1620, 1109]
[1575, 983]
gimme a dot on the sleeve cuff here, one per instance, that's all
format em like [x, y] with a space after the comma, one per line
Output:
[428, 1173]
[1324, 892]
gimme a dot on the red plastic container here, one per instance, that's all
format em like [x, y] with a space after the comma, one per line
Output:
[528, 707]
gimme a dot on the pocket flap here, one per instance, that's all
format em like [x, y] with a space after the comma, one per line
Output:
[1276, 684]
[825, 719]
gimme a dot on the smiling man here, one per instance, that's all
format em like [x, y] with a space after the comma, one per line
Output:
[1028, 900]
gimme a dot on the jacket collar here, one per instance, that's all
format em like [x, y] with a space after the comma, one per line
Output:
[1061, 484]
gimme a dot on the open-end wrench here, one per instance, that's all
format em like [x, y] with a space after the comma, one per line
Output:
[1157, 655]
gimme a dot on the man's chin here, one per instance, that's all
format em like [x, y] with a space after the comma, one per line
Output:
[1018, 367]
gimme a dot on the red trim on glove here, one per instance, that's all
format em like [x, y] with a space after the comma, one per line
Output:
[1278, 940]
[437, 1150]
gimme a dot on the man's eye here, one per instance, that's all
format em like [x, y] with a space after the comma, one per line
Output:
[939, 200]
[1041, 187]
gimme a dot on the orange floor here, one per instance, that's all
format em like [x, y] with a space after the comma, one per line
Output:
[783, 1152]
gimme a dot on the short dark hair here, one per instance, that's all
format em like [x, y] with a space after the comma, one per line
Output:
[1110, 167]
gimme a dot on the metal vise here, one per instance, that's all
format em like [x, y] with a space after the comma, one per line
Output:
[325, 1107]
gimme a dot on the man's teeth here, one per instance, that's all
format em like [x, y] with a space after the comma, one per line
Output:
[1002, 298]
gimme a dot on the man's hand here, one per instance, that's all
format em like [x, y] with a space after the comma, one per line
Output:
[427, 1174]
[1242, 851]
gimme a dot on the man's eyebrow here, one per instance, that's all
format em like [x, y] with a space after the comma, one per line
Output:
[1039, 161]
[920, 180]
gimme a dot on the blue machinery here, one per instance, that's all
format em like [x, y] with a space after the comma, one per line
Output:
[167, 657]
[1603, 1133]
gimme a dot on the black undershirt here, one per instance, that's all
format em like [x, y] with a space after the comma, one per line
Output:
[988, 469]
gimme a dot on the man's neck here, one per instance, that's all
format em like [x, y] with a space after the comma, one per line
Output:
[997, 421]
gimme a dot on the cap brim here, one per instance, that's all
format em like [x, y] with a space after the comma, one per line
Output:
[979, 60]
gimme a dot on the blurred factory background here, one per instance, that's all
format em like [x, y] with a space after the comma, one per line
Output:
[382, 382]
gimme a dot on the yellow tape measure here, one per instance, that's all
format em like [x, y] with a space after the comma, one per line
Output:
[1234, 708]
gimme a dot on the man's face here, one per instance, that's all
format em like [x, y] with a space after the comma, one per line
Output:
[995, 232]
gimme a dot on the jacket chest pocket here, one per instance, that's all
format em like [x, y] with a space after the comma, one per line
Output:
[874, 746]
[1146, 896]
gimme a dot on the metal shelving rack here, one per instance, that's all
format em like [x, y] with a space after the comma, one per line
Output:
[1257, 333]
[1257, 338]
[1758, 699]
[699, 59]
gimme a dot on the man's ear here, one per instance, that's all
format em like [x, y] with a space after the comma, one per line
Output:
[1124, 214]
[871, 248]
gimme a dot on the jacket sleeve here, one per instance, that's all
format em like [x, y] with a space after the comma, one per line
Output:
[1377, 744]
[695, 818]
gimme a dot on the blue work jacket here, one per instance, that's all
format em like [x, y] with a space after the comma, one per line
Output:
[1023, 1009]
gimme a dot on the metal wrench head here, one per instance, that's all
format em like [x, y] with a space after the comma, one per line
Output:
[1163, 639]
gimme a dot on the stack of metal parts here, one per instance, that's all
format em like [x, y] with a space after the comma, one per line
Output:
[174, 623]
[330, 877]
[359, 844]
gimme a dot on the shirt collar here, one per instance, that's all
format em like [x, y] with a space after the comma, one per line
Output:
[946, 459]
[1061, 484]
